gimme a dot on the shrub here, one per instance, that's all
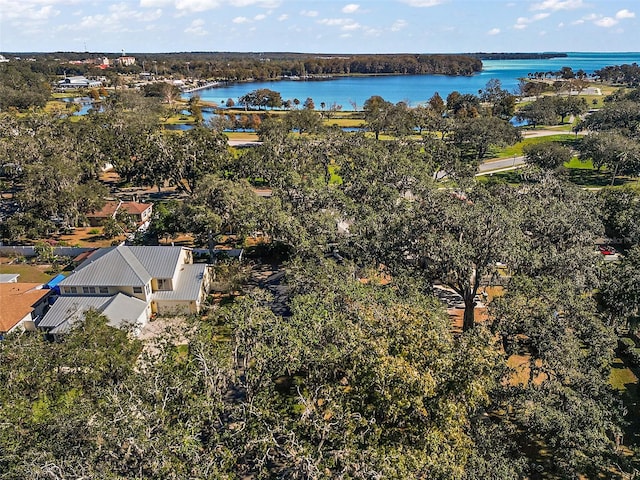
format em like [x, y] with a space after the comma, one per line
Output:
[625, 344]
[634, 356]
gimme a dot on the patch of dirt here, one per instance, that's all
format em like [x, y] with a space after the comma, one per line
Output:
[87, 237]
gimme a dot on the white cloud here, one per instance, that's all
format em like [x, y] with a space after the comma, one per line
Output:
[351, 26]
[399, 25]
[522, 22]
[423, 3]
[493, 31]
[334, 22]
[258, 3]
[345, 24]
[241, 20]
[155, 3]
[30, 11]
[309, 13]
[555, 5]
[625, 14]
[196, 5]
[259, 17]
[539, 16]
[283, 17]
[351, 8]
[606, 22]
[203, 5]
[196, 28]
[121, 18]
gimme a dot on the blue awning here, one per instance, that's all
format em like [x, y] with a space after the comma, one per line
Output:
[55, 281]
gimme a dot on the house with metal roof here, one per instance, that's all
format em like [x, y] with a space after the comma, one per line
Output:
[129, 284]
[69, 83]
[121, 311]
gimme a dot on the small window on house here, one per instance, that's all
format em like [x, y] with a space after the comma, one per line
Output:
[88, 289]
[137, 289]
[72, 290]
[104, 289]
[164, 284]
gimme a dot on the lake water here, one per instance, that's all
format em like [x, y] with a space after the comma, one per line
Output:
[352, 92]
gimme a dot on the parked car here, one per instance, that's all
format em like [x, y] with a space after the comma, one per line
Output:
[607, 250]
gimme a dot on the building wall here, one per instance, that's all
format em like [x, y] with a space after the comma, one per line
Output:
[145, 296]
[176, 307]
[25, 323]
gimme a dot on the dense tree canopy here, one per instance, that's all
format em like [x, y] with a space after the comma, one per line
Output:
[353, 369]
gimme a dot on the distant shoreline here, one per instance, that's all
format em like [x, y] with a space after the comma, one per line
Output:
[516, 56]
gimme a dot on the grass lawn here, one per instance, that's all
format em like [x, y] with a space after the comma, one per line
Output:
[179, 119]
[625, 382]
[335, 179]
[623, 379]
[516, 150]
[28, 273]
[345, 122]
[242, 136]
[585, 175]
[579, 164]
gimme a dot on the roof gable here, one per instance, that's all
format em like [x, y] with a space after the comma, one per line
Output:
[160, 262]
[71, 309]
[135, 208]
[120, 310]
[115, 267]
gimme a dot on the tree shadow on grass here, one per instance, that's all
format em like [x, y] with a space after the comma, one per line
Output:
[625, 381]
[593, 178]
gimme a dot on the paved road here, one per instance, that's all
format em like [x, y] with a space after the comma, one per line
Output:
[500, 164]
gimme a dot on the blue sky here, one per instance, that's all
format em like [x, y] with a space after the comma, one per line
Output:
[327, 26]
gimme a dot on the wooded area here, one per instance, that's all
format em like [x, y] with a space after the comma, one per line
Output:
[356, 371]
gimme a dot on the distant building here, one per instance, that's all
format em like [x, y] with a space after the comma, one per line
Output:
[71, 83]
[126, 61]
[141, 212]
[3, 59]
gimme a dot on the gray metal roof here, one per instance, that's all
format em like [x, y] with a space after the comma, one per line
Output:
[188, 285]
[114, 267]
[160, 262]
[125, 266]
[120, 310]
[8, 277]
[124, 310]
[71, 308]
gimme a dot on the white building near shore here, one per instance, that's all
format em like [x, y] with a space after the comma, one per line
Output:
[71, 83]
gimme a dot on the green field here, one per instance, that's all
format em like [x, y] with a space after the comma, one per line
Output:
[28, 273]
[516, 150]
